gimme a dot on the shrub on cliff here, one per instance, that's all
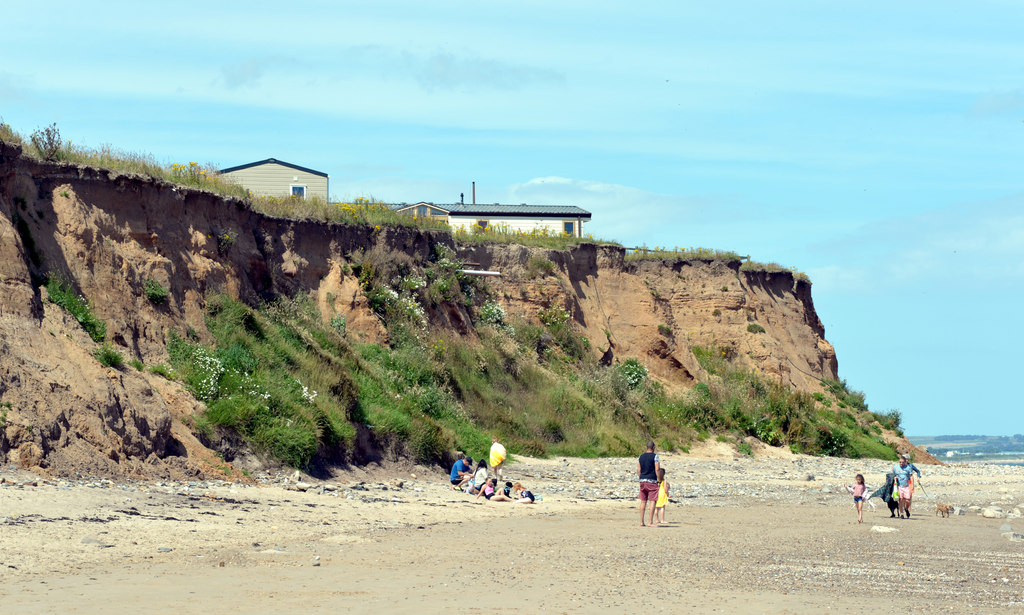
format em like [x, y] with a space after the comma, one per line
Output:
[61, 293]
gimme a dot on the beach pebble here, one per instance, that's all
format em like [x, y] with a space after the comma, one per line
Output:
[883, 529]
[993, 512]
[164, 549]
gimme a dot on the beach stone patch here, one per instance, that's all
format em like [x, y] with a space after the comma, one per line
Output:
[883, 529]
[1013, 536]
[993, 512]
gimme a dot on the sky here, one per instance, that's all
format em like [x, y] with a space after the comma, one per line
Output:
[877, 147]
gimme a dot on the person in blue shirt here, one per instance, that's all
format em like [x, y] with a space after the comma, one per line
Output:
[462, 468]
[904, 471]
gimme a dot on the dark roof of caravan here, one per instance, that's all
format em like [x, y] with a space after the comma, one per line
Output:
[274, 161]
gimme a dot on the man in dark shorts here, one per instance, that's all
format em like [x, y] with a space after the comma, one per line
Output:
[647, 467]
[460, 469]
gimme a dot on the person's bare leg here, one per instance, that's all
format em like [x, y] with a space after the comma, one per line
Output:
[643, 512]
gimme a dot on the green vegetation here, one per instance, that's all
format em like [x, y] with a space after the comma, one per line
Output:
[742, 402]
[137, 364]
[60, 293]
[709, 254]
[156, 293]
[685, 254]
[773, 268]
[108, 356]
[538, 267]
[665, 330]
[755, 328]
[541, 237]
[163, 370]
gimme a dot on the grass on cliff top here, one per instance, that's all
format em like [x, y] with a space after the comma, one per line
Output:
[540, 238]
[710, 254]
[295, 386]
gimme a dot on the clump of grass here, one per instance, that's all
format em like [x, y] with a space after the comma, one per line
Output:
[61, 293]
[665, 330]
[108, 356]
[163, 370]
[538, 267]
[156, 293]
[9, 135]
[137, 364]
[755, 328]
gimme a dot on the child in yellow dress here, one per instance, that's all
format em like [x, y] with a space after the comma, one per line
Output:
[659, 505]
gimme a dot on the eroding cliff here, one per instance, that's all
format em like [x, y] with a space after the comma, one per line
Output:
[108, 234]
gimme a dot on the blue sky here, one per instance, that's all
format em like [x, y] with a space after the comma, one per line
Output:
[876, 147]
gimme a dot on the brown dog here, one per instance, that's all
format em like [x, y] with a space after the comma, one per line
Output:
[945, 509]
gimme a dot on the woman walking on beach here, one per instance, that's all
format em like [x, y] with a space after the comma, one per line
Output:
[905, 480]
[857, 491]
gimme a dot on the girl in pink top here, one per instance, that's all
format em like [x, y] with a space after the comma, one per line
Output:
[858, 490]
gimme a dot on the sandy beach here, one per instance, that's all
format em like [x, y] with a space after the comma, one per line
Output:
[772, 534]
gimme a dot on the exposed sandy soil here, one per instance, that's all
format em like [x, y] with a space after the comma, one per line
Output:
[744, 536]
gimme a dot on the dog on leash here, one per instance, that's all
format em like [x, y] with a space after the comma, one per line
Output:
[943, 509]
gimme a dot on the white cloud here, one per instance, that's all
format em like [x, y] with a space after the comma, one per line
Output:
[250, 72]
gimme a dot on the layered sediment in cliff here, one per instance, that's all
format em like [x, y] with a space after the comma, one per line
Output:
[107, 234]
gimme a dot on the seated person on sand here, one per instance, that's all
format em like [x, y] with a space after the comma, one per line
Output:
[472, 484]
[461, 469]
[491, 494]
[521, 495]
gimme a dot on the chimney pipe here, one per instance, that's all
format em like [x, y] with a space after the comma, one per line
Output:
[474, 193]
[462, 198]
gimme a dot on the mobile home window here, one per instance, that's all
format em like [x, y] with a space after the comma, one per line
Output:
[569, 228]
[299, 191]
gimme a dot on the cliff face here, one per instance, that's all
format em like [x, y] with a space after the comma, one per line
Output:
[657, 310]
[107, 234]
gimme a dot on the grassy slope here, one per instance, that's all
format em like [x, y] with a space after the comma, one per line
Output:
[294, 385]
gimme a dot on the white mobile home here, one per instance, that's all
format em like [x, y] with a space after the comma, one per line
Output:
[272, 177]
[524, 218]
